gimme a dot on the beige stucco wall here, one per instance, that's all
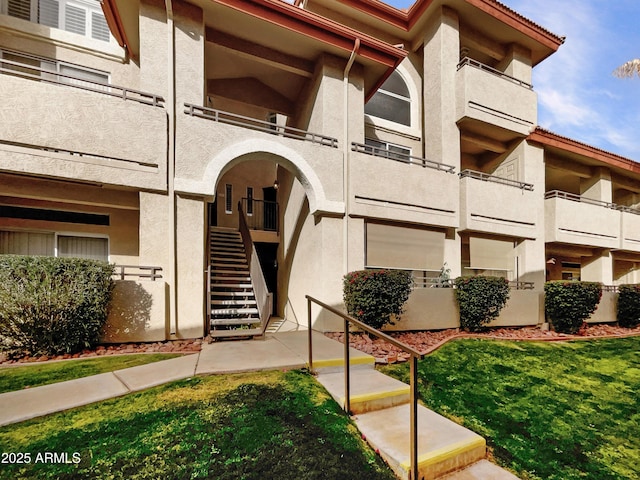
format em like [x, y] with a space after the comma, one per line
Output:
[606, 311]
[87, 122]
[138, 312]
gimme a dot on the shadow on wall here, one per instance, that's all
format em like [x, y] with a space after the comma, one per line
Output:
[130, 315]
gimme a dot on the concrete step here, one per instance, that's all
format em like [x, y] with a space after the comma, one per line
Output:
[231, 253]
[443, 445]
[226, 265]
[370, 389]
[482, 470]
[234, 311]
[240, 332]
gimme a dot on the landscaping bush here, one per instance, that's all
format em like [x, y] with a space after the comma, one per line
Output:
[480, 300]
[52, 306]
[568, 304]
[373, 296]
[629, 306]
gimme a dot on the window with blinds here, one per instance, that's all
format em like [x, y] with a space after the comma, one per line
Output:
[83, 247]
[84, 17]
[50, 245]
[491, 255]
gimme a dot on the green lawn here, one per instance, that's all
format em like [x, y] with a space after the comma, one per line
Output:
[549, 411]
[17, 378]
[266, 425]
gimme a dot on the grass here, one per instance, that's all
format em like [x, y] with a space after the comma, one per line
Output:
[249, 426]
[549, 411]
[17, 378]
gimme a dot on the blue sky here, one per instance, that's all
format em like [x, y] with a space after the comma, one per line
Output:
[578, 97]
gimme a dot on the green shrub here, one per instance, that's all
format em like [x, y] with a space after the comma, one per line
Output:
[50, 306]
[373, 296]
[568, 304]
[629, 306]
[480, 300]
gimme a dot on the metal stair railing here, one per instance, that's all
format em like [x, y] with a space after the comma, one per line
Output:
[262, 295]
[413, 367]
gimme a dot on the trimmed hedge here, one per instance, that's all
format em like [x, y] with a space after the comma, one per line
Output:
[52, 306]
[373, 296]
[480, 300]
[629, 306]
[568, 304]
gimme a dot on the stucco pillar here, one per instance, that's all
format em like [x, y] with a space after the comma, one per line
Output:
[189, 55]
[441, 57]
[598, 268]
[598, 186]
[153, 47]
[517, 63]
[190, 252]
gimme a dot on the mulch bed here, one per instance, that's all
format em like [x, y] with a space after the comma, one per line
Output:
[428, 341]
[172, 346]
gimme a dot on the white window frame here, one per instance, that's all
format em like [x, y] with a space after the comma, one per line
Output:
[385, 146]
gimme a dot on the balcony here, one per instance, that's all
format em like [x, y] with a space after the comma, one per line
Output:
[401, 187]
[630, 229]
[66, 126]
[578, 220]
[498, 205]
[489, 96]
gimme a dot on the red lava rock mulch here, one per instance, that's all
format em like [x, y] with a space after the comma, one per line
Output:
[171, 346]
[428, 341]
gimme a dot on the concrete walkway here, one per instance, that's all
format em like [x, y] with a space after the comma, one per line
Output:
[379, 402]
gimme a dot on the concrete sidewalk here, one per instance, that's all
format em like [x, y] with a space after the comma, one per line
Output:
[285, 350]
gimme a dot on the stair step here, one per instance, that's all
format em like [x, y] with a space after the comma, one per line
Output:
[229, 279]
[218, 253]
[232, 265]
[370, 389]
[482, 470]
[228, 260]
[249, 332]
[233, 285]
[217, 293]
[443, 446]
[234, 311]
[221, 322]
[233, 302]
[227, 271]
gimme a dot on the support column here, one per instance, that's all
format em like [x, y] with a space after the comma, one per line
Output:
[598, 186]
[598, 268]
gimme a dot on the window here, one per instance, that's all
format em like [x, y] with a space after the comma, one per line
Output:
[228, 198]
[392, 101]
[389, 150]
[83, 17]
[50, 244]
[249, 200]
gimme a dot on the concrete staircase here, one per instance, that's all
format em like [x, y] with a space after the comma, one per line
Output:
[380, 409]
[232, 300]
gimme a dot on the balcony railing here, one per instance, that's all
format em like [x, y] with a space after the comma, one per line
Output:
[123, 272]
[493, 71]
[485, 177]
[578, 198]
[260, 125]
[261, 214]
[401, 157]
[24, 70]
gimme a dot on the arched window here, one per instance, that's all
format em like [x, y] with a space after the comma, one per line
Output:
[392, 101]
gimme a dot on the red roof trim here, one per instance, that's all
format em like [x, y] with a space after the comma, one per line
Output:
[551, 139]
[315, 26]
[114, 22]
[406, 20]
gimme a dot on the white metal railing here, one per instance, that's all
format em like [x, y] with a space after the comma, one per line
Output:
[485, 177]
[260, 125]
[24, 70]
[493, 71]
[579, 198]
[401, 157]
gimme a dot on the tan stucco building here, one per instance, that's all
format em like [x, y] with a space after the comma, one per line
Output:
[352, 135]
